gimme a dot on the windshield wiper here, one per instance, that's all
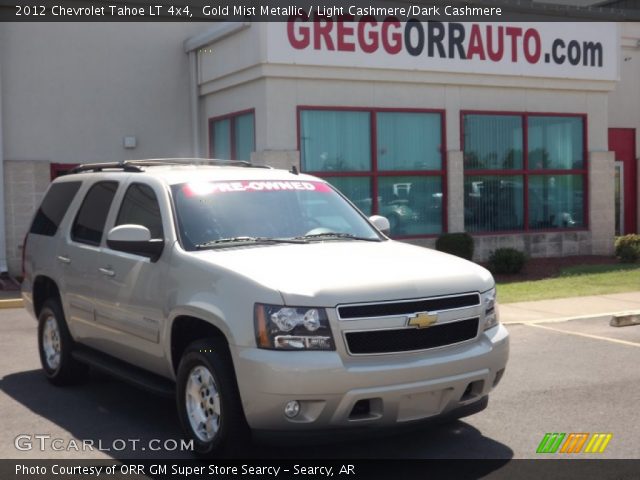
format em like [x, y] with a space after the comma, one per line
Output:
[336, 236]
[227, 242]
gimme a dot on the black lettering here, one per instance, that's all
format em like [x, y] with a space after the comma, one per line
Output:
[573, 52]
[435, 31]
[416, 25]
[456, 37]
[590, 50]
[557, 44]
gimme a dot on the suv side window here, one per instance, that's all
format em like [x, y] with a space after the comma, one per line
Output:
[89, 223]
[140, 207]
[53, 208]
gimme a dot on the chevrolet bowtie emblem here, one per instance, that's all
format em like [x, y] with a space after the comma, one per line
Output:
[423, 320]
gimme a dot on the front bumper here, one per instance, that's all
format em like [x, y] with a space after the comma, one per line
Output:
[331, 435]
[336, 392]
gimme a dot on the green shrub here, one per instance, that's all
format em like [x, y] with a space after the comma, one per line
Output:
[459, 244]
[506, 260]
[628, 248]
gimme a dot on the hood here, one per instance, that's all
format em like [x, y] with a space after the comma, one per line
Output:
[326, 274]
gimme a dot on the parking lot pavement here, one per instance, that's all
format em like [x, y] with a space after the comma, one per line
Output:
[576, 376]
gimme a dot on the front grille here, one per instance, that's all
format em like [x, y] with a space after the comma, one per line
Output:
[410, 339]
[408, 307]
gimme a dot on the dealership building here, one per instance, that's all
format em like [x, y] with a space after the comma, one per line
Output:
[522, 134]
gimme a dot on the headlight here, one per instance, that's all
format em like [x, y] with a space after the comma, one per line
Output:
[292, 328]
[491, 317]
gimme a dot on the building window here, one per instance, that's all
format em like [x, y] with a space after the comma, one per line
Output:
[524, 172]
[232, 137]
[386, 162]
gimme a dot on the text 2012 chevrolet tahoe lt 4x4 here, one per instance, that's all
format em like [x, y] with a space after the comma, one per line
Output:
[263, 298]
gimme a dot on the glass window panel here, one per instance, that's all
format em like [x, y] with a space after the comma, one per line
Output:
[556, 201]
[492, 142]
[245, 138]
[409, 141]
[413, 205]
[89, 223]
[356, 189]
[140, 207]
[54, 207]
[335, 141]
[221, 139]
[493, 203]
[555, 142]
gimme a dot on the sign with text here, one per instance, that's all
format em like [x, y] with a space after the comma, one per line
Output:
[586, 50]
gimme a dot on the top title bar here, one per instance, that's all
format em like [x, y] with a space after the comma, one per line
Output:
[282, 10]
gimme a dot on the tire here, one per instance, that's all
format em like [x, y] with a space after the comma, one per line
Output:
[208, 400]
[55, 345]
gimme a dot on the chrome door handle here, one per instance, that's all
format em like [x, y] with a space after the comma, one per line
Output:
[63, 259]
[108, 272]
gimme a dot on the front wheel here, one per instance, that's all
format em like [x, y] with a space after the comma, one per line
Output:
[208, 401]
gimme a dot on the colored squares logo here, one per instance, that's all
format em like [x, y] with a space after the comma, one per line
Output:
[574, 443]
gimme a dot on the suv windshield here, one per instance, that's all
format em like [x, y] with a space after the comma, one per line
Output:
[218, 214]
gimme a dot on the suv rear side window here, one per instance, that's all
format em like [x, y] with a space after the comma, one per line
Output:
[89, 223]
[53, 208]
[140, 207]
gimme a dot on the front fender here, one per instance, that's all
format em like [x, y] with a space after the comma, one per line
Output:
[201, 311]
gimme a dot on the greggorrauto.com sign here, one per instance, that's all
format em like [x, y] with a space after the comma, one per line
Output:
[580, 50]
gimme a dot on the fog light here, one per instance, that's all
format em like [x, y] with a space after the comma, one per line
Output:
[292, 408]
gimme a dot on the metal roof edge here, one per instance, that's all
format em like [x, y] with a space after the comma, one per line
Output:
[214, 34]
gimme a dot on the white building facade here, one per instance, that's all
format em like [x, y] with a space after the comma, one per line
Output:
[523, 135]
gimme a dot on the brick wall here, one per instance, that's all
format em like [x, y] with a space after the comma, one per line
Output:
[25, 182]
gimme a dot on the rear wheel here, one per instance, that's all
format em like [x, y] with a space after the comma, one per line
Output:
[55, 345]
[208, 401]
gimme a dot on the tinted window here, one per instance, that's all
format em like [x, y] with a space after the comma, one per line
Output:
[519, 178]
[555, 142]
[89, 223]
[359, 151]
[335, 141]
[233, 137]
[140, 207]
[53, 208]
[493, 142]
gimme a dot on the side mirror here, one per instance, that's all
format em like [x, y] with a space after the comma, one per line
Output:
[135, 239]
[381, 223]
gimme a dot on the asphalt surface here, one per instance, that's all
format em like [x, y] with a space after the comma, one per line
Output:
[576, 376]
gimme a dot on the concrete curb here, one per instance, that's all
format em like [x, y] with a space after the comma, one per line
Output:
[627, 318]
[11, 303]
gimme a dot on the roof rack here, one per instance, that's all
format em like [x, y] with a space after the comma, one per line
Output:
[98, 167]
[135, 165]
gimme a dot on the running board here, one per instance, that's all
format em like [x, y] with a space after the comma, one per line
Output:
[125, 371]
